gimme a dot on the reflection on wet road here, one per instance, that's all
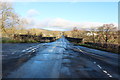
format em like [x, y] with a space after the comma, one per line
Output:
[62, 59]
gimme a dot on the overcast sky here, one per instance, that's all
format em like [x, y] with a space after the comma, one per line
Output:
[66, 15]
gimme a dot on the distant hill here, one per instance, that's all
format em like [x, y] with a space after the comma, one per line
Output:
[35, 31]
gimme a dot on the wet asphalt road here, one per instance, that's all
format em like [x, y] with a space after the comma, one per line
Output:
[62, 59]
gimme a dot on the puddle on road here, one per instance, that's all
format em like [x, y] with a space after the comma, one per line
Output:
[43, 57]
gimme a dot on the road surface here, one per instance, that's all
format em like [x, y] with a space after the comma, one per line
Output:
[61, 59]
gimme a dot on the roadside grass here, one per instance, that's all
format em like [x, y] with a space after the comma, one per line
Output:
[96, 47]
[8, 40]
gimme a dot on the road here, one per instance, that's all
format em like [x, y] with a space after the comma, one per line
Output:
[62, 59]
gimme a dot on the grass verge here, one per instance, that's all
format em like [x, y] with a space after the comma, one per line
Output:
[95, 47]
[8, 40]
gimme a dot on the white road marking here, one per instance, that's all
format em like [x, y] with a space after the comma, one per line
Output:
[94, 62]
[80, 50]
[104, 71]
[109, 75]
[99, 66]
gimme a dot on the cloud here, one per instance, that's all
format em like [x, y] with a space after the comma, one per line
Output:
[66, 24]
[61, 24]
[31, 18]
[32, 13]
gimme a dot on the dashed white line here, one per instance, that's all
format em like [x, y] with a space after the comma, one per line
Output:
[94, 62]
[109, 75]
[99, 66]
[103, 70]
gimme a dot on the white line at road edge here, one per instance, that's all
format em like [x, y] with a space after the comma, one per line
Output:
[107, 73]
[103, 70]
[99, 66]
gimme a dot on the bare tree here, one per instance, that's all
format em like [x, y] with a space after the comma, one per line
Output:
[8, 18]
[22, 23]
[5, 14]
[106, 32]
[75, 32]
